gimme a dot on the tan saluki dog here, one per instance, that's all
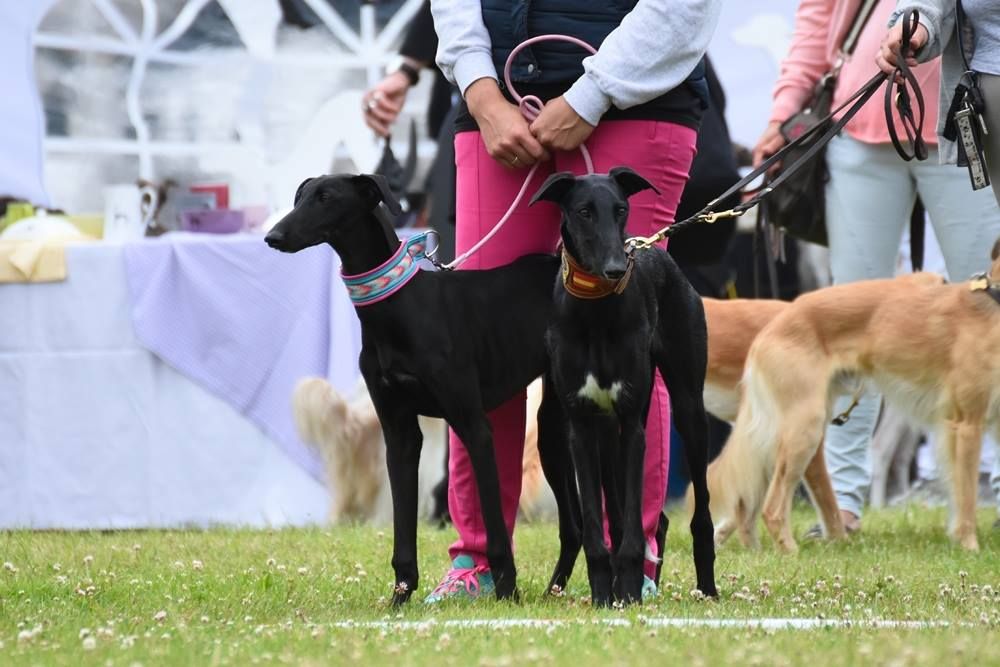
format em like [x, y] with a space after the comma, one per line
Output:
[929, 347]
[732, 326]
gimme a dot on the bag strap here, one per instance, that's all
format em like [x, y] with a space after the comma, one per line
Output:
[857, 25]
[917, 228]
[960, 22]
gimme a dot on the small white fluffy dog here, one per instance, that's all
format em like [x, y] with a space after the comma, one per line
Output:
[348, 437]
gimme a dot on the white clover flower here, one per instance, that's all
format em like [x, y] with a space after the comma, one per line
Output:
[160, 615]
[89, 643]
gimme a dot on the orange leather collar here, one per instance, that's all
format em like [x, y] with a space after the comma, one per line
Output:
[584, 285]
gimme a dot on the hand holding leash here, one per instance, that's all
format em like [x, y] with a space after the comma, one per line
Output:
[558, 126]
[888, 57]
[504, 129]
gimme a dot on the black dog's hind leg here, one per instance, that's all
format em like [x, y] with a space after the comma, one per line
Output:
[683, 369]
[585, 438]
[557, 464]
[630, 554]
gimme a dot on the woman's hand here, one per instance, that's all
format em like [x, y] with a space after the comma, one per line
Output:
[504, 130]
[770, 142]
[384, 101]
[559, 127]
[888, 55]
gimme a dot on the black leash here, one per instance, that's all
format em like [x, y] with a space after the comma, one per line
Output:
[901, 78]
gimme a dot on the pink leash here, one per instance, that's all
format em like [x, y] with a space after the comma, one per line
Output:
[530, 107]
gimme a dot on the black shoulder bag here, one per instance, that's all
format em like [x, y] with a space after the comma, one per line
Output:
[799, 206]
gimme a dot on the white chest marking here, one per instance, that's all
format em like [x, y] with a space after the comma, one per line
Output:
[603, 398]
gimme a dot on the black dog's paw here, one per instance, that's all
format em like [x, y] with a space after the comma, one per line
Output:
[401, 593]
[506, 587]
[628, 588]
[709, 591]
[600, 599]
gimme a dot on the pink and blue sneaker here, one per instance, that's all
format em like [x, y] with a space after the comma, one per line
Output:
[465, 580]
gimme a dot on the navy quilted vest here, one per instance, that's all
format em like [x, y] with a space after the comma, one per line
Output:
[510, 22]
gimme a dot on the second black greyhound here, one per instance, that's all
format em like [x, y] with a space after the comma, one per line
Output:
[618, 317]
[447, 344]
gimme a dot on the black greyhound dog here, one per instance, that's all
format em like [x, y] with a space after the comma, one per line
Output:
[448, 344]
[619, 315]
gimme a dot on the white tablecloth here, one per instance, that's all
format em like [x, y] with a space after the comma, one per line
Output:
[97, 432]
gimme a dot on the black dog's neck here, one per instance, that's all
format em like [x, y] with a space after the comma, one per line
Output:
[367, 244]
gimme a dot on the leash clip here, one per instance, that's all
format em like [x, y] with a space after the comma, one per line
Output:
[643, 242]
[721, 215]
[431, 255]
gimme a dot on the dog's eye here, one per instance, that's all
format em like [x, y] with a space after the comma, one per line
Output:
[584, 213]
[621, 211]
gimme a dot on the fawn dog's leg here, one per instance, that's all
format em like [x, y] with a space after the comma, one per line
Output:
[821, 489]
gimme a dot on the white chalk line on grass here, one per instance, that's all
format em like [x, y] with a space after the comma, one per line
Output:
[653, 622]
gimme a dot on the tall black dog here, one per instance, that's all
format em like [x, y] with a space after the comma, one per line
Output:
[453, 345]
[619, 316]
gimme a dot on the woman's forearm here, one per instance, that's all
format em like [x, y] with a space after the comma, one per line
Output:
[655, 48]
[464, 50]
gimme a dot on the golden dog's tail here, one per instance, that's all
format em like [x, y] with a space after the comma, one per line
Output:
[738, 478]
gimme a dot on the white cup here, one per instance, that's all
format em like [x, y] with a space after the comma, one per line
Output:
[128, 210]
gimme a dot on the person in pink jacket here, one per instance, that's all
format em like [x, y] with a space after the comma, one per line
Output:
[870, 194]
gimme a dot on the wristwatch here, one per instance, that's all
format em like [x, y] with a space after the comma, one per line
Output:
[399, 64]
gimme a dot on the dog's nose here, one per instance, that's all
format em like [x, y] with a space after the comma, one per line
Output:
[614, 272]
[274, 238]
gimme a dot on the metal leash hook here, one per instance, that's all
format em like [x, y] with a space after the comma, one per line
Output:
[431, 255]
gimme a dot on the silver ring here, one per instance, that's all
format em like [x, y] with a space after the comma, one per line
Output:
[514, 161]
[371, 104]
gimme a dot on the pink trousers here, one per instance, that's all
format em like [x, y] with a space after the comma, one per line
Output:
[659, 151]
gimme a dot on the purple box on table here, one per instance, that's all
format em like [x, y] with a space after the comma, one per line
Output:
[217, 221]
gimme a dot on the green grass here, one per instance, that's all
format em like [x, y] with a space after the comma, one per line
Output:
[247, 597]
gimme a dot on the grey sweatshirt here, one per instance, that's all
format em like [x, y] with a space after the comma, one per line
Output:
[653, 51]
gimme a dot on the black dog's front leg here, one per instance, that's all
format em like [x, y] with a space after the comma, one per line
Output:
[585, 442]
[629, 556]
[403, 440]
[557, 464]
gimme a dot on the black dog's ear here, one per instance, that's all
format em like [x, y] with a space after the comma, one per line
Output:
[374, 188]
[631, 182]
[555, 187]
[298, 193]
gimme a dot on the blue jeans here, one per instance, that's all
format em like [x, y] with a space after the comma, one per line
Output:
[868, 202]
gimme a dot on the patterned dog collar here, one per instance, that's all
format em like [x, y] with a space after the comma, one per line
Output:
[388, 278]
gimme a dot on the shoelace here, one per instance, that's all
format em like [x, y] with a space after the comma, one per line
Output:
[464, 576]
